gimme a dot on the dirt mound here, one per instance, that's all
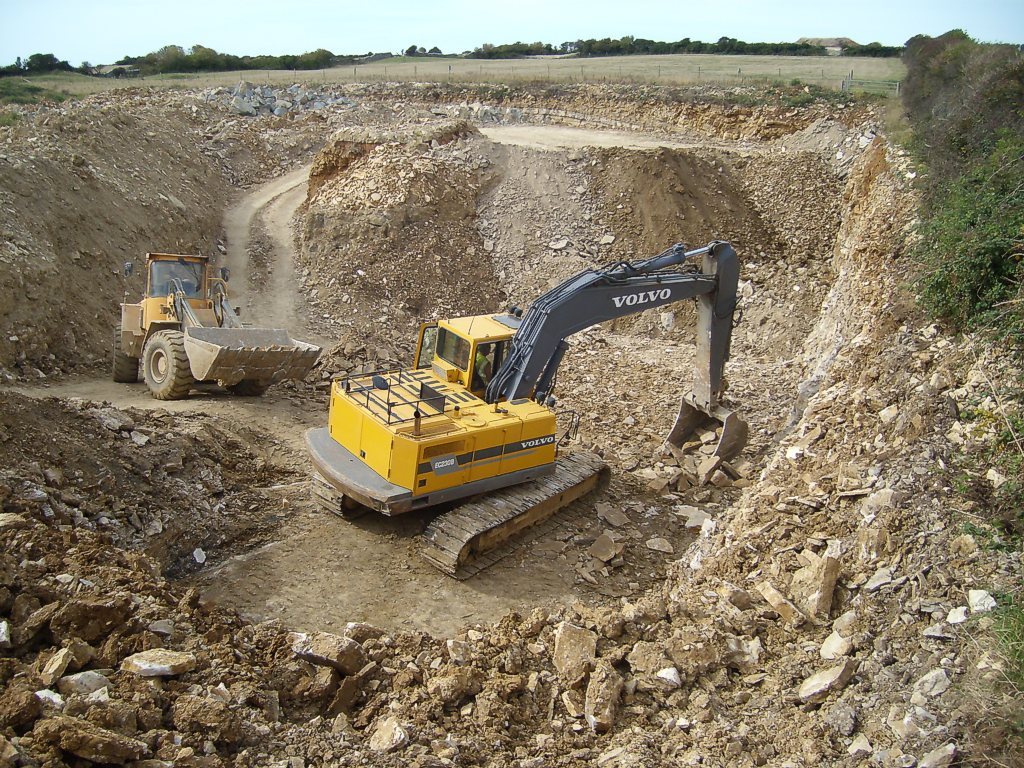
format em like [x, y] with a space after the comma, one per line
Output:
[162, 484]
[387, 237]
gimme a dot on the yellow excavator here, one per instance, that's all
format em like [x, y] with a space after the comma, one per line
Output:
[185, 330]
[475, 415]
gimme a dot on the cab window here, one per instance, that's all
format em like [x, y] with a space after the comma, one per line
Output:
[486, 362]
[453, 349]
[163, 273]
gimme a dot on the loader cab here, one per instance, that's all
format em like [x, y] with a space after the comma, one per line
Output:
[464, 350]
[164, 270]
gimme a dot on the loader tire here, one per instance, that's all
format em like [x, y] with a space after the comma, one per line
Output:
[126, 367]
[249, 388]
[165, 366]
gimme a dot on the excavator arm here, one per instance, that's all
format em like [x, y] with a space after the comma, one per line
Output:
[626, 288]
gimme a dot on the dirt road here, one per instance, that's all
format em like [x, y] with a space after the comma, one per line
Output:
[277, 303]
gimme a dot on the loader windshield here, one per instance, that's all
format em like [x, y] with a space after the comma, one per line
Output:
[163, 273]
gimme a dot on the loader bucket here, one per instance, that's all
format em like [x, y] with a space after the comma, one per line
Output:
[693, 418]
[229, 355]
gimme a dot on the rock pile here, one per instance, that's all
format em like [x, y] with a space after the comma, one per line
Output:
[251, 100]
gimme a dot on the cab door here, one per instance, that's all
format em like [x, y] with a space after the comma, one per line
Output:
[425, 346]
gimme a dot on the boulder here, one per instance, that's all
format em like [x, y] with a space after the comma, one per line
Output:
[324, 649]
[88, 741]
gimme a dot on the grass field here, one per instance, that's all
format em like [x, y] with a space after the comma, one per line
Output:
[679, 69]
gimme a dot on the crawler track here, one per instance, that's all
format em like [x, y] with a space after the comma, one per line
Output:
[473, 536]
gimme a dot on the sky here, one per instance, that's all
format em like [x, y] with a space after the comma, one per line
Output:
[102, 31]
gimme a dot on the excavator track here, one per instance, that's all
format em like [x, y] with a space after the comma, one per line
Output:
[473, 536]
[329, 499]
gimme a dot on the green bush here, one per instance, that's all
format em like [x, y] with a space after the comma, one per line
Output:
[972, 244]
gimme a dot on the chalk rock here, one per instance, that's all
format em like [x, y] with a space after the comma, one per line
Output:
[159, 662]
[670, 677]
[388, 735]
[817, 687]
[957, 615]
[607, 239]
[5, 634]
[575, 649]
[88, 741]
[980, 601]
[50, 699]
[935, 683]
[82, 683]
[602, 700]
[559, 244]
[327, 650]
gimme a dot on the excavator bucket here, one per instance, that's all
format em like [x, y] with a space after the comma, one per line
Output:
[693, 418]
[230, 355]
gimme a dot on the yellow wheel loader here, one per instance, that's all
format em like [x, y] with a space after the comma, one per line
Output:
[474, 416]
[185, 330]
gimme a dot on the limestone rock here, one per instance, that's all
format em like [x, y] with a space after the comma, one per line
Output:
[602, 698]
[88, 741]
[575, 649]
[56, 666]
[451, 689]
[327, 650]
[388, 735]
[817, 687]
[789, 612]
[835, 646]
[935, 683]
[659, 544]
[159, 662]
[459, 651]
[605, 548]
[939, 758]
[814, 584]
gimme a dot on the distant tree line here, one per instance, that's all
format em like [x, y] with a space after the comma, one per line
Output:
[963, 100]
[36, 64]
[199, 58]
[636, 46]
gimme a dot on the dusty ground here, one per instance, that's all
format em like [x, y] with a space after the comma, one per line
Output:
[836, 553]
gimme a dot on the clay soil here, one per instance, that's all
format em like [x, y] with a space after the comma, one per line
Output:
[350, 225]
